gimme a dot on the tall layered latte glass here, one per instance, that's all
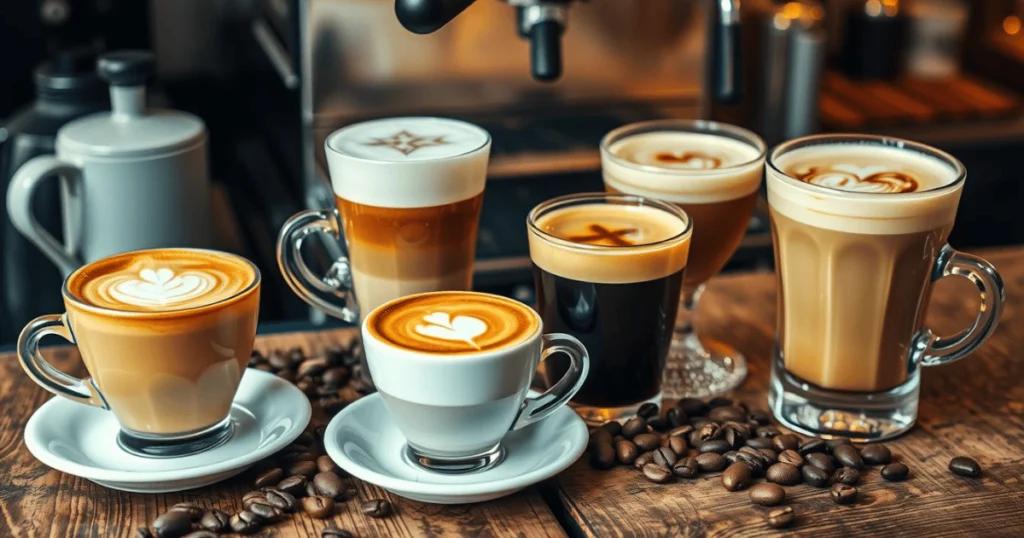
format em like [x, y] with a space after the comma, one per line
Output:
[860, 226]
[408, 194]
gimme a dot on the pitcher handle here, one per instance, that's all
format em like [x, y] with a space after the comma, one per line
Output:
[20, 193]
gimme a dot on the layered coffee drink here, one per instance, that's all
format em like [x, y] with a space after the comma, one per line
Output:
[857, 230]
[608, 270]
[409, 191]
[166, 335]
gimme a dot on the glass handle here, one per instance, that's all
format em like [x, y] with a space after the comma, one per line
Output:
[535, 409]
[43, 373]
[936, 350]
[329, 291]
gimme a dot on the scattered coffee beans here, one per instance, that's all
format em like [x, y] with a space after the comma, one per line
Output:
[376, 508]
[709, 431]
[626, 452]
[780, 517]
[194, 512]
[282, 500]
[318, 507]
[658, 474]
[785, 442]
[814, 476]
[664, 457]
[266, 512]
[173, 524]
[687, 468]
[647, 441]
[333, 532]
[244, 522]
[812, 445]
[214, 520]
[760, 442]
[269, 477]
[848, 456]
[895, 472]
[329, 485]
[767, 494]
[201, 534]
[784, 473]
[848, 476]
[301, 468]
[613, 428]
[831, 444]
[791, 457]
[602, 456]
[727, 413]
[643, 459]
[633, 427]
[736, 477]
[876, 455]
[964, 466]
[710, 462]
[692, 407]
[647, 410]
[843, 494]
[295, 485]
[600, 436]
[675, 444]
[718, 446]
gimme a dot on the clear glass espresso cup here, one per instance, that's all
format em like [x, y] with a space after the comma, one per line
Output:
[860, 226]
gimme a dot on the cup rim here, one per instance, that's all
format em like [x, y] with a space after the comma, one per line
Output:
[446, 358]
[115, 312]
[328, 147]
[713, 128]
[584, 197]
[860, 139]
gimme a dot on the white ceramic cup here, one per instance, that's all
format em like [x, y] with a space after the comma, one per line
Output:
[454, 410]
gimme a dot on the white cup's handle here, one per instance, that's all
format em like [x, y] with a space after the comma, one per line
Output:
[19, 206]
[535, 409]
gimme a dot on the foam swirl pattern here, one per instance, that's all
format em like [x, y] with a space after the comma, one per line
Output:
[845, 177]
[452, 323]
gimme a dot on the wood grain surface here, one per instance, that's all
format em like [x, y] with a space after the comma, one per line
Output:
[974, 407]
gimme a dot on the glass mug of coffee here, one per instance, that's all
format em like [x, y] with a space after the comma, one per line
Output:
[165, 334]
[608, 270]
[860, 226]
[712, 171]
[408, 193]
[454, 368]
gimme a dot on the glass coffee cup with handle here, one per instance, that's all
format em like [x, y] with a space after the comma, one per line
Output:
[453, 369]
[408, 193]
[165, 334]
[860, 225]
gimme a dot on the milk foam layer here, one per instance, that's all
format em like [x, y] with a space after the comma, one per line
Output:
[864, 188]
[453, 323]
[161, 280]
[610, 243]
[408, 162]
[682, 167]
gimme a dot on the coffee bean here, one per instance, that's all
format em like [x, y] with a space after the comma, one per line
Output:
[767, 494]
[767, 431]
[613, 428]
[643, 459]
[286, 375]
[617, 439]
[297, 457]
[694, 438]
[814, 476]
[699, 422]
[719, 446]
[602, 456]
[269, 477]
[329, 485]
[847, 475]
[791, 457]
[376, 508]
[599, 435]
[281, 500]
[692, 407]
[759, 442]
[143, 532]
[821, 461]
[336, 376]
[964, 466]
[742, 428]
[894, 472]
[731, 456]
[633, 427]
[760, 417]
[734, 437]
[333, 532]
[263, 368]
[201, 534]
[831, 444]
[687, 468]
[657, 473]
[348, 395]
[812, 445]
[780, 517]
[771, 457]
[194, 512]
[307, 387]
[756, 464]
[785, 442]
[254, 496]
[296, 485]
[278, 360]
[244, 522]
[675, 444]
[719, 401]
[709, 432]
[312, 367]
[173, 524]
[683, 432]
[647, 410]
[848, 456]
[784, 473]
[647, 441]
[711, 462]
[301, 468]
[325, 464]
[305, 439]
[876, 455]
[659, 422]
[626, 452]
[843, 494]
[266, 512]
[311, 490]
[727, 413]
[664, 457]
[676, 417]
[318, 506]
[214, 520]
[736, 477]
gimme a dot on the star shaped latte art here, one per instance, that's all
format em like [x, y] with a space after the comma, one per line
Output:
[406, 142]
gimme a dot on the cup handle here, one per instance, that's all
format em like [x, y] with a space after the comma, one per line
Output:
[43, 373]
[933, 350]
[19, 206]
[535, 409]
[324, 292]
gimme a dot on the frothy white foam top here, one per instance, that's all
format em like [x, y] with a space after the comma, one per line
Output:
[841, 198]
[682, 167]
[408, 162]
[162, 287]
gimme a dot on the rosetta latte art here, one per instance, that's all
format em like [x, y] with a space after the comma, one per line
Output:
[159, 287]
[870, 179]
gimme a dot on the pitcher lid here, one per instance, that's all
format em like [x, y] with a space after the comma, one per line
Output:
[108, 134]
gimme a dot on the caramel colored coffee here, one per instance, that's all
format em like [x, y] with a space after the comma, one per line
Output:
[713, 178]
[857, 230]
[165, 334]
[453, 323]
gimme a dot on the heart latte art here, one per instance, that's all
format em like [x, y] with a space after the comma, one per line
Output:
[868, 179]
[452, 322]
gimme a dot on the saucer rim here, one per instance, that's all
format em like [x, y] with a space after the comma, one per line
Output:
[52, 460]
[471, 489]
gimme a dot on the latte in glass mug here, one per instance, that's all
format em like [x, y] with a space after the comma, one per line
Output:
[165, 334]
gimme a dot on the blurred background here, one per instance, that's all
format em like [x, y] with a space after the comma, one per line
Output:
[548, 78]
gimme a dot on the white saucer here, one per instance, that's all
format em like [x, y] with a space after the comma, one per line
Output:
[364, 441]
[268, 413]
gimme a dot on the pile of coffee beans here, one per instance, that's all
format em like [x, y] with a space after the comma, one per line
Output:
[299, 478]
[695, 437]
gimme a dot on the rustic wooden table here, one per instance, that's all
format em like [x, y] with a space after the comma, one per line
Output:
[974, 407]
